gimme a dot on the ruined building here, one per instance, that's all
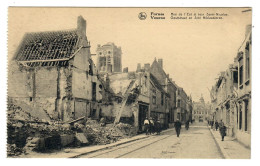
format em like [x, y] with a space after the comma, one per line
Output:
[109, 58]
[55, 77]
[129, 100]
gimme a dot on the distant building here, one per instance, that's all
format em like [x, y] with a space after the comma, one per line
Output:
[201, 110]
[109, 58]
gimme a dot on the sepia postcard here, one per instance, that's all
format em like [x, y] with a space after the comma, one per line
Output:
[164, 83]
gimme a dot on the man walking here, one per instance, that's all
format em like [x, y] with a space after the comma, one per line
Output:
[216, 125]
[187, 124]
[222, 130]
[177, 126]
[151, 121]
[158, 126]
[146, 125]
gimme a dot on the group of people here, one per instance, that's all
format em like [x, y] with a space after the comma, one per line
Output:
[218, 125]
[152, 125]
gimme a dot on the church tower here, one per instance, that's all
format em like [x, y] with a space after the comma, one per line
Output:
[109, 58]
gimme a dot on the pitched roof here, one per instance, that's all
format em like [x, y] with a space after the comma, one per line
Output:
[47, 46]
[157, 84]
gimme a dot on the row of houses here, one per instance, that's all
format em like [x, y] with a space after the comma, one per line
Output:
[53, 77]
[231, 95]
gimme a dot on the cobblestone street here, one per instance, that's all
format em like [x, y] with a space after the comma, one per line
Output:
[197, 142]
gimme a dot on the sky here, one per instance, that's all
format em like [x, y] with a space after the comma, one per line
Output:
[194, 51]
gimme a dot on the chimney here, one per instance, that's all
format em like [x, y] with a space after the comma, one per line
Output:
[147, 66]
[160, 61]
[138, 69]
[82, 25]
[248, 29]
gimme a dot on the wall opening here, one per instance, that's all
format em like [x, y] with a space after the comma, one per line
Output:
[240, 117]
[246, 113]
[94, 86]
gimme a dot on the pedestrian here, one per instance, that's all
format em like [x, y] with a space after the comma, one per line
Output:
[177, 126]
[222, 130]
[151, 127]
[158, 126]
[187, 124]
[146, 125]
[211, 124]
[216, 125]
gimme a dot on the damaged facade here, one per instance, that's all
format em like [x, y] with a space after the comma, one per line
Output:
[231, 95]
[55, 76]
[53, 82]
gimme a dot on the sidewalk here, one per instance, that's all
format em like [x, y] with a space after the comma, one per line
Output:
[230, 148]
[76, 152]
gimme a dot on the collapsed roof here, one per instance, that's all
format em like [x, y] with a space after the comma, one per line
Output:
[53, 48]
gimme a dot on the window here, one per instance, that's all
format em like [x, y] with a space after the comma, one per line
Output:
[179, 103]
[235, 77]
[241, 71]
[240, 117]
[162, 98]
[247, 67]
[246, 112]
[94, 91]
[90, 69]
[154, 99]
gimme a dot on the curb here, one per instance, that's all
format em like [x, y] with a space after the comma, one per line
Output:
[111, 146]
[221, 149]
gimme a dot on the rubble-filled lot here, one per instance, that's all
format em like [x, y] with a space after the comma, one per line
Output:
[27, 133]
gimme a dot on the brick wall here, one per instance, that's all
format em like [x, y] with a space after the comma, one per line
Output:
[19, 84]
[46, 82]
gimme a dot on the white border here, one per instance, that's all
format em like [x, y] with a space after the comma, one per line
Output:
[133, 3]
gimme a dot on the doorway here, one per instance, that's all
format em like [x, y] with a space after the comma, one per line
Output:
[143, 112]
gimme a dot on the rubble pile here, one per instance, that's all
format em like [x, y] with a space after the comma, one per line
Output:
[13, 150]
[24, 131]
[27, 133]
[100, 135]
